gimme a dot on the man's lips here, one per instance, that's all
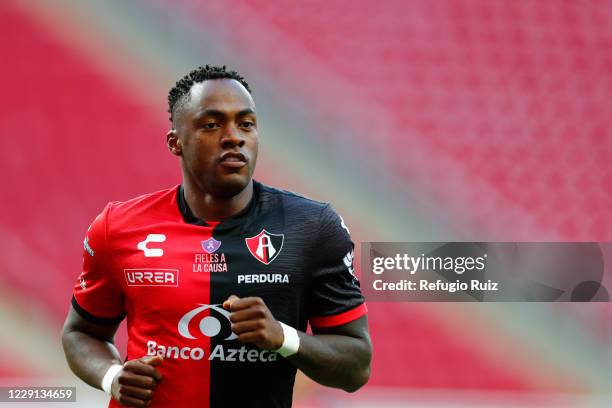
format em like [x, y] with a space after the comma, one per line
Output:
[233, 160]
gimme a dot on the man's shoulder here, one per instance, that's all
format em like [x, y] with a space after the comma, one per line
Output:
[153, 204]
[290, 200]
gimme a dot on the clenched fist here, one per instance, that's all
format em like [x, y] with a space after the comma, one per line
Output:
[135, 383]
[253, 322]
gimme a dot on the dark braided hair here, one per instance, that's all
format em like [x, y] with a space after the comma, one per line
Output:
[178, 95]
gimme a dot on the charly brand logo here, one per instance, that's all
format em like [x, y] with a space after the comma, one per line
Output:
[210, 326]
[343, 225]
[151, 277]
[211, 245]
[152, 252]
[265, 246]
[348, 262]
[87, 247]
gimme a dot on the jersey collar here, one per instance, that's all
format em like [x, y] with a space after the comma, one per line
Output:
[232, 222]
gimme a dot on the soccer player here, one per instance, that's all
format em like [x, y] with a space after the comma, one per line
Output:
[218, 277]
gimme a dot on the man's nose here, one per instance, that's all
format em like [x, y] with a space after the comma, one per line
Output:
[232, 137]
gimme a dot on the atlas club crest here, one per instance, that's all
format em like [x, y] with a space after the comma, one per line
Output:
[265, 246]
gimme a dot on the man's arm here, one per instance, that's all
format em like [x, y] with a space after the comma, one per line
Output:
[90, 352]
[335, 356]
[89, 347]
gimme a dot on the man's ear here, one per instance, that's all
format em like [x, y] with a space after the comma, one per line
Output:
[173, 142]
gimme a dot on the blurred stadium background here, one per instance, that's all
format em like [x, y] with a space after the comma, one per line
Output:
[419, 120]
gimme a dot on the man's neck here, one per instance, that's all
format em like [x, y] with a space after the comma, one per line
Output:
[210, 208]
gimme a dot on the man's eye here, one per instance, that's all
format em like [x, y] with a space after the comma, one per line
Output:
[211, 125]
[247, 124]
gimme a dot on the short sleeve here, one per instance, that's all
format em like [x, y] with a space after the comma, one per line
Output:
[96, 295]
[335, 297]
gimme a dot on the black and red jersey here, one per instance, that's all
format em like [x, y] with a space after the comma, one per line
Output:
[152, 260]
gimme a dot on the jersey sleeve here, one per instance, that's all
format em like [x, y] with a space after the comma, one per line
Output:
[96, 295]
[335, 297]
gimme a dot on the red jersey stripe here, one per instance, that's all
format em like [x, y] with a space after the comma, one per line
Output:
[341, 318]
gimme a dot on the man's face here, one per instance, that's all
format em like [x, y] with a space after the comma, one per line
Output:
[216, 137]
